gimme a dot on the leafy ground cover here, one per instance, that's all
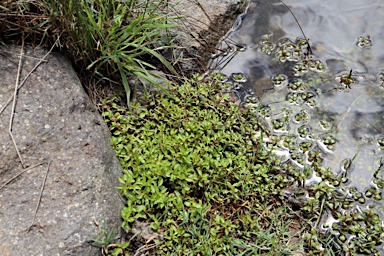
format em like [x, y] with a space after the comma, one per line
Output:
[197, 167]
[203, 173]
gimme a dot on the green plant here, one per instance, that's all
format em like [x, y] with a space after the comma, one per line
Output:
[105, 238]
[204, 172]
[105, 241]
[112, 39]
[332, 196]
[195, 166]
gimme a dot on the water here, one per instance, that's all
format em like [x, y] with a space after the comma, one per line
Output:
[331, 99]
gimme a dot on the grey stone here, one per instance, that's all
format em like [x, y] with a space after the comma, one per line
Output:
[202, 24]
[198, 15]
[54, 121]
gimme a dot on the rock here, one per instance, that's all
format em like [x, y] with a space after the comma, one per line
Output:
[200, 15]
[54, 122]
[202, 25]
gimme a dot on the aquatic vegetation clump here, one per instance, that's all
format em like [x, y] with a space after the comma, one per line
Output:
[310, 133]
[364, 41]
[344, 218]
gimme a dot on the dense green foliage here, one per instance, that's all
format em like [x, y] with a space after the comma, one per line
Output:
[199, 168]
[202, 170]
[194, 164]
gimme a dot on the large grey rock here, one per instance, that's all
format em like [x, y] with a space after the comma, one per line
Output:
[54, 121]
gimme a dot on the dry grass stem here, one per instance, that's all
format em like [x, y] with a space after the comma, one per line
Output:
[347, 112]
[141, 250]
[25, 56]
[14, 103]
[25, 79]
[201, 7]
[14, 177]
[41, 194]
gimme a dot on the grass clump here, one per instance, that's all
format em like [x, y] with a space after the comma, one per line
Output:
[106, 40]
[194, 165]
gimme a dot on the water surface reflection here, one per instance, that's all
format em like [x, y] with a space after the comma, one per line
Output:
[316, 100]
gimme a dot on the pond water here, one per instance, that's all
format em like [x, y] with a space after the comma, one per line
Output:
[329, 96]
